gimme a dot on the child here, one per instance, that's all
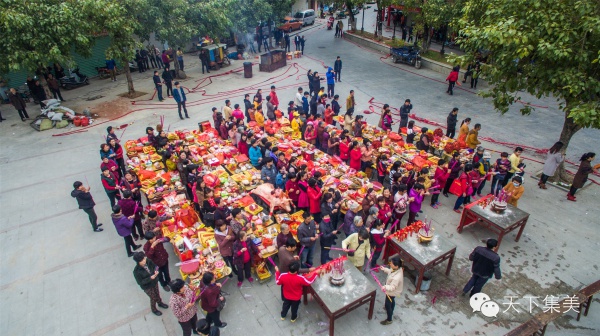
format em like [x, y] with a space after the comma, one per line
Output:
[381, 168]
[378, 236]
[410, 133]
[417, 193]
[281, 179]
[439, 180]
[401, 201]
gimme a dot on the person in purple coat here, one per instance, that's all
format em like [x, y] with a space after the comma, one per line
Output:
[417, 193]
[124, 225]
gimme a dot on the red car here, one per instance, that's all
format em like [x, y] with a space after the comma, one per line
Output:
[288, 24]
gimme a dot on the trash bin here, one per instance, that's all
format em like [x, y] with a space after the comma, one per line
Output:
[426, 282]
[247, 69]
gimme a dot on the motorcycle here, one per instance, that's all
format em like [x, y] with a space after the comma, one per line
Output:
[409, 55]
[74, 79]
[330, 23]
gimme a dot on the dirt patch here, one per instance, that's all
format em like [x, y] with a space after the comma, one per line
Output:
[112, 109]
[133, 96]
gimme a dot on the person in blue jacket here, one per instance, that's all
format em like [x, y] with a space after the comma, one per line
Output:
[255, 154]
[330, 82]
[305, 106]
[179, 96]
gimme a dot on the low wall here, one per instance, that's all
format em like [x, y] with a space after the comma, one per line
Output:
[384, 49]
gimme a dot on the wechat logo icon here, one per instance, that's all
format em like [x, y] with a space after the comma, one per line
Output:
[482, 302]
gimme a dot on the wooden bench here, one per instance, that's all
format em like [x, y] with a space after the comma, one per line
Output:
[536, 326]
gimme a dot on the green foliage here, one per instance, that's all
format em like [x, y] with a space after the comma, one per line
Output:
[435, 13]
[543, 47]
[247, 13]
[39, 32]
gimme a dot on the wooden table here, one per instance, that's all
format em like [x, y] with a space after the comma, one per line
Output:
[422, 257]
[501, 224]
[338, 301]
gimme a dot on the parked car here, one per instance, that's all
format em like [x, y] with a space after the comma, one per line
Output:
[307, 17]
[288, 24]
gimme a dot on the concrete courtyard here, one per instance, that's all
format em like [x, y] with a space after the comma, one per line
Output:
[60, 278]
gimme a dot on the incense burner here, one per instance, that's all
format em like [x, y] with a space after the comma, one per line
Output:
[425, 236]
[337, 279]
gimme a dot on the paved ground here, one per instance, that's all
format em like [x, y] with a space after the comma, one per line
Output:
[60, 278]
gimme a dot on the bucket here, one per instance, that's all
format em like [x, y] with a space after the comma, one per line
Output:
[426, 282]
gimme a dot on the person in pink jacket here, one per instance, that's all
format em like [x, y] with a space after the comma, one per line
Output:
[417, 193]
[466, 187]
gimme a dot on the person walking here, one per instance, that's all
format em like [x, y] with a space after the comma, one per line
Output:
[404, 112]
[330, 82]
[158, 85]
[516, 165]
[18, 103]
[307, 236]
[394, 283]
[124, 225]
[340, 27]
[475, 76]
[146, 274]
[210, 299]
[553, 160]
[585, 168]
[337, 67]
[184, 306]
[452, 79]
[451, 122]
[156, 252]
[86, 203]
[54, 87]
[486, 263]
[179, 96]
[292, 285]
[111, 65]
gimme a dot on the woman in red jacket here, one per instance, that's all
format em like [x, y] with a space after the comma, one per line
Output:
[385, 211]
[314, 199]
[310, 134]
[243, 145]
[378, 235]
[439, 181]
[243, 252]
[465, 185]
[209, 298]
[116, 147]
[355, 156]
[452, 79]
[291, 186]
[344, 149]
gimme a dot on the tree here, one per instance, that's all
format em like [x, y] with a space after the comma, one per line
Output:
[37, 33]
[542, 47]
[433, 14]
[177, 22]
[120, 20]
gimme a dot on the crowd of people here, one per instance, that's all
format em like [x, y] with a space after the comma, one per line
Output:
[314, 116]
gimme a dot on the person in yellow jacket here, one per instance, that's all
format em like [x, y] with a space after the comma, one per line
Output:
[515, 189]
[296, 125]
[464, 129]
[393, 286]
[358, 247]
[350, 102]
[472, 140]
[259, 117]
[424, 173]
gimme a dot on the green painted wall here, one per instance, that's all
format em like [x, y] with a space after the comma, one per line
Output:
[86, 65]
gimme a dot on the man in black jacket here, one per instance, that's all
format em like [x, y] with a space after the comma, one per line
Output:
[404, 112]
[337, 67]
[451, 123]
[168, 79]
[486, 263]
[157, 85]
[86, 203]
[247, 106]
[146, 275]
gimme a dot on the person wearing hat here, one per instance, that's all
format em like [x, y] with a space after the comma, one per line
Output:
[296, 125]
[179, 96]
[484, 170]
[486, 263]
[146, 276]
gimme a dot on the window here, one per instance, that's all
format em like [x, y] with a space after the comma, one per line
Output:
[299, 15]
